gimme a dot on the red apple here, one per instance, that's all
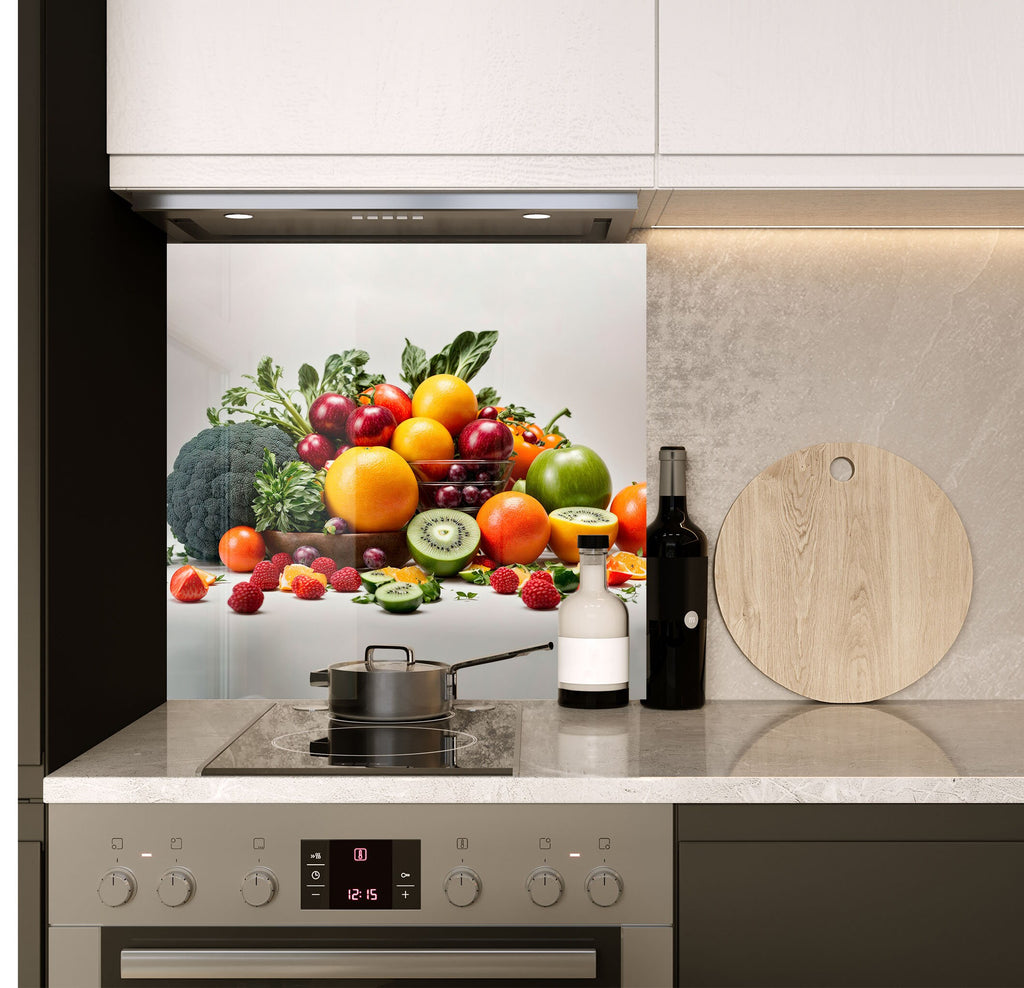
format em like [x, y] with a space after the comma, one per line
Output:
[389, 396]
[329, 413]
[485, 439]
[371, 425]
[316, 450]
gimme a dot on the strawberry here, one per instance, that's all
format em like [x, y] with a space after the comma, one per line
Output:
[504, 581]
[323, 564]
[539, 594]
[187, 585]
[280, 560]
[345, 580]
[265, 575]
[246, 598]
[306, 588]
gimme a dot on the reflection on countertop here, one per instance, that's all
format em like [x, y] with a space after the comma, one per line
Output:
[729, 751]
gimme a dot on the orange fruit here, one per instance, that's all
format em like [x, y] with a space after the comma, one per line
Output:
[514, 527]
[630, 507]
[446, 398]
[627, 562]
[289, 573]
[241, 548]
[372, 488]
[420, 438]
[412, 574]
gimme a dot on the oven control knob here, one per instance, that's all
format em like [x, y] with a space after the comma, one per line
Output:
[117, 887]
[259, 886]
[604, 887]
[462, 886]
[176, 887]
[545, 886]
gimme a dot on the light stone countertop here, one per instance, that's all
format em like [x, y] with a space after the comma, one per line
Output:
[925, 751]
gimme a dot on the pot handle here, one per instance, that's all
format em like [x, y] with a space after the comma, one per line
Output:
[368, 659]
[320, 678]
[455, 666]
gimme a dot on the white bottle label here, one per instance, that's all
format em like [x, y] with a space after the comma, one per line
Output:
[593, 663]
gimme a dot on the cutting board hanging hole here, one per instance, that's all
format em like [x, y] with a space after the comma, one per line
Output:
[841, 469]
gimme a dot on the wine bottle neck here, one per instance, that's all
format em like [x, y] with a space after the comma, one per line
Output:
[672, 504]
[672, 479]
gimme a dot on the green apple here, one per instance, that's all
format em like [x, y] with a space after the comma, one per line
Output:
[569, 476]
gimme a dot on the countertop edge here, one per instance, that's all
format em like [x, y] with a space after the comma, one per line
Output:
[432, 789]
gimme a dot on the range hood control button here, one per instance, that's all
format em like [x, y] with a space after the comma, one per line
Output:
[462, 886]
[545, 886]
[259, 886]
[604, 886]
[176, 887]
[117, 887]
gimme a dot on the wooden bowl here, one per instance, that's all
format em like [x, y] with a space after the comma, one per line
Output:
[345, 550]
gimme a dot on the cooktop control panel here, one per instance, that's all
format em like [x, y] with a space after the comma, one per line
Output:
[223, 864]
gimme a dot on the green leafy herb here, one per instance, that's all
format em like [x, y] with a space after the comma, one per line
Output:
[481, 577]
[463, 357]
[431, 591]
[628, 594]
[172, 556]
[287, 498]
[464, 595]
[271, 404]
[487, 396]
[366, 598]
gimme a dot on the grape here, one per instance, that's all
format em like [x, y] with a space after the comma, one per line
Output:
[374, 558]
[457, 472]
[471, 495]
[448, 497]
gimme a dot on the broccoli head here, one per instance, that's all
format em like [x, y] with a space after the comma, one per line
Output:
[211, 486]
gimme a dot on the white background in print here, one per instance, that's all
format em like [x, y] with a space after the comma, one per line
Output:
[571, 319]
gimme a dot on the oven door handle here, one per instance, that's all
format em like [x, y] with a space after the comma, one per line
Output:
[441, 965]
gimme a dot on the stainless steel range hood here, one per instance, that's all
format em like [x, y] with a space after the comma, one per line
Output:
[419, 217]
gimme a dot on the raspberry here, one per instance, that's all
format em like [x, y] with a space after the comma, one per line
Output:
[246, 598]
[504, 581]
[345, 580]
[307, 588]
[542, 574]
[265, 575]
[540, 594]
[280, 560]
[323, 564]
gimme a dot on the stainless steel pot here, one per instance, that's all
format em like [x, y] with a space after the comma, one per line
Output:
[393, 691]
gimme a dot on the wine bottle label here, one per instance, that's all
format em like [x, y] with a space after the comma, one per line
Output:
[677, 589]
[593, 663]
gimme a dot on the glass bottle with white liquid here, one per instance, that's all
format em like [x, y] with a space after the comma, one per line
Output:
[593, 636]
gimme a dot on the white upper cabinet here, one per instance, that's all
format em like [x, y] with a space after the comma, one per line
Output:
[339, 78]
[875, 79]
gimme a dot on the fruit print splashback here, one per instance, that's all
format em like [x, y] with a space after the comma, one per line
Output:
[391, 442]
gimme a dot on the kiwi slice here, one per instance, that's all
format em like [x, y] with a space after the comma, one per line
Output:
[443, 540]
[585, 516]
[375, 579]
[399, 597]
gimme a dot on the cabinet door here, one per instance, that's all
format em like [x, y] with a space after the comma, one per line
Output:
[849, 913]
[806, 77]
[391, 77]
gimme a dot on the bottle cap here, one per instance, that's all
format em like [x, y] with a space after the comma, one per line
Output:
[591, 541]
[672, 453]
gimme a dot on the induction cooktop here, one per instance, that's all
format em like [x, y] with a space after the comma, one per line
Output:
[299, 737]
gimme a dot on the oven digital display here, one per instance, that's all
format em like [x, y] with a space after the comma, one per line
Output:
[360, 874]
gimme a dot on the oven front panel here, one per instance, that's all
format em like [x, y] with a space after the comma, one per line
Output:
[170, 865]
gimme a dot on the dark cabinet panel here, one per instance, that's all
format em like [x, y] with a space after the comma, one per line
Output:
[814, 911]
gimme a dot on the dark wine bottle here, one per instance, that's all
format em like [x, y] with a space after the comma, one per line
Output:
[677, 594]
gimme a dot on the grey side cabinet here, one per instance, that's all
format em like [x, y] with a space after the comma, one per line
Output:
[863, 895]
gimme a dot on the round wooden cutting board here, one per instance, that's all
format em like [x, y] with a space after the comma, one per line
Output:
[843, 590]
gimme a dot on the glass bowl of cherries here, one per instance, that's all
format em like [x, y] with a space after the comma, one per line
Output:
[460, 484]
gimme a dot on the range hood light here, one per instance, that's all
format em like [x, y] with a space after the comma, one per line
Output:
[238, 216]
[536, 216]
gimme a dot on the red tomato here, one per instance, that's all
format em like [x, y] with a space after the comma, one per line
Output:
[241, 548]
